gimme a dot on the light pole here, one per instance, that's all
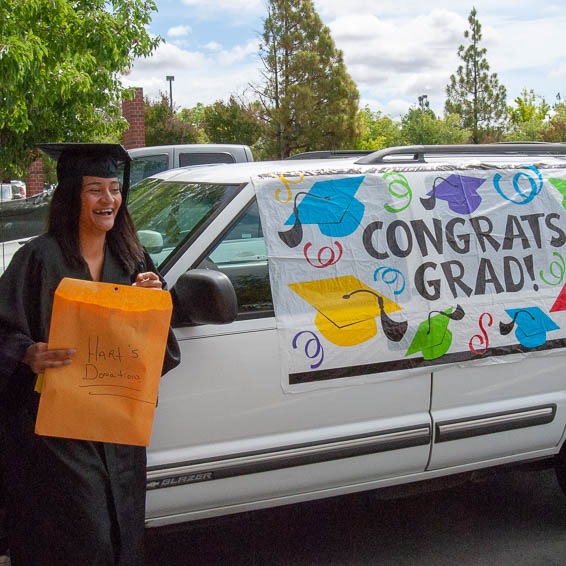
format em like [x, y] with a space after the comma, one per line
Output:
[170, 78]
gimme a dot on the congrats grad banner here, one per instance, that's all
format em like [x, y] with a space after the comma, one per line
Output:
[378, 275]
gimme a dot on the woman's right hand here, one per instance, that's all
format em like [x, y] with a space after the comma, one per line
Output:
[39, 358]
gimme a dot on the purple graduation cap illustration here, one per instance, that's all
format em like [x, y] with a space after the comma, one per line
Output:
[532, 326]
[459, 191]
[331, 205]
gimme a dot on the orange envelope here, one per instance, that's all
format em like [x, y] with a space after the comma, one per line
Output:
[109, 391]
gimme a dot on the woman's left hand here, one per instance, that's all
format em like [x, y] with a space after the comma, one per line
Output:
[148, 279]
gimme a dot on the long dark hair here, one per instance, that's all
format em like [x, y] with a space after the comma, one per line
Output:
[63, 224]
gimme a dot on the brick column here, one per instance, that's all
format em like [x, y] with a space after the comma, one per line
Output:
[34, 178]
[132, 110]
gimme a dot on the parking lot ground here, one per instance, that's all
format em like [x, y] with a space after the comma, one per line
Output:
[515, 518]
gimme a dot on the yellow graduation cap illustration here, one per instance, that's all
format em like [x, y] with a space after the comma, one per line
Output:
[347, 309]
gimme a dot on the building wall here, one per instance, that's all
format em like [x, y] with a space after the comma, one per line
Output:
[132, 110]
[34, 178]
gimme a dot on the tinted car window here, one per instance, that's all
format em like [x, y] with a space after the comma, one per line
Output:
[23, 218]
[194, 158]
[146, 166]
[241, 254]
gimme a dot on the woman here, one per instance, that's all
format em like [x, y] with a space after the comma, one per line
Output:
[69, 502]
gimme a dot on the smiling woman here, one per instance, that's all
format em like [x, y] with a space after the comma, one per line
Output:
[71, 501]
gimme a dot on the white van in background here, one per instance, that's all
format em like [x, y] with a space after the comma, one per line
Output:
[148, 161]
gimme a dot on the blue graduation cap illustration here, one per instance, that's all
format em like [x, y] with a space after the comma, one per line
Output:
[432, 337]
[532, 326]
[330, 204]
[459, 191]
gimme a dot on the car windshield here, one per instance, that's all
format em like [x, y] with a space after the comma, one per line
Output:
[167, 213]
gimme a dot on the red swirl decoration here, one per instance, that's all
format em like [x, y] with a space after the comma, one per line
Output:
[483, 338]
[322, 263]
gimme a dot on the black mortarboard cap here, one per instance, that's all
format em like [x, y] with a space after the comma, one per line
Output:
[104, 160]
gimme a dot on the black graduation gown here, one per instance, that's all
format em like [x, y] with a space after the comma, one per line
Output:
[69, 502]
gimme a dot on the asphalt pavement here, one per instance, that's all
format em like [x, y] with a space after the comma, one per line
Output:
[514, 518]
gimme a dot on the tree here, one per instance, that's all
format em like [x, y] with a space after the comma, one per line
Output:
[60, 67]
[232, 122]
[377, 130]
[163, 126]
[420, 126]
[556, 128]
[474, 94]
[527, 119]
[309, 99]
[195, 117]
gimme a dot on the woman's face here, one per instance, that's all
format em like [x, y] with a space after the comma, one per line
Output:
[100, 200]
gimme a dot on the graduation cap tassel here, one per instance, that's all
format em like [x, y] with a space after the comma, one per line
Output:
[392, 329]
[506, 327]
[430, 202]
[457, 314]
[293, 237]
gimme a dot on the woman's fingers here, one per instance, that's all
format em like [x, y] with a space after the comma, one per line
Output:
[39, 358]
[149, 280]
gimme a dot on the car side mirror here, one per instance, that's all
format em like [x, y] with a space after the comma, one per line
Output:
[203, 296]
[151, 240]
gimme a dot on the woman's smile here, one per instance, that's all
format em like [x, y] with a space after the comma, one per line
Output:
[100, 201]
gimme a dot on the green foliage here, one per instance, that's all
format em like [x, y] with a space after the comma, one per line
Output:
[163, 126]
[195, 117]
[309, 100]
[377, 130]
[60, 63]
[474, 94]
[231, 122]
[420, 126]
[527, 119]
[555, 130]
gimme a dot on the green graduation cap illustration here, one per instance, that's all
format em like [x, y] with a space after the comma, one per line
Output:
[432, 337]
[560, 186]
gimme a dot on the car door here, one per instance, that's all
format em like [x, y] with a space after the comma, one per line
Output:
[227, 437]
[498, 411]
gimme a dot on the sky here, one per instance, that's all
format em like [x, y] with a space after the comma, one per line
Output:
[395, 50]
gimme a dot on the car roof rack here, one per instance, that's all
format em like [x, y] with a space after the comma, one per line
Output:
[331, 154]
[416, 153]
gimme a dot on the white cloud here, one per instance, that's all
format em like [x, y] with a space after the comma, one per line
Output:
[199, 76]
[179, 31]
[392, 59]
[169, 56]
[398, 9]
[238, 53]
[403, 57]
[559, 74]
[395, 50]
[213, 46]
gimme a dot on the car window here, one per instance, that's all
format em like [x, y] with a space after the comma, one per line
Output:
[167, 213]
[201, 158]
[241, 254]
[146, 166]
[5, 192]
[24, 218]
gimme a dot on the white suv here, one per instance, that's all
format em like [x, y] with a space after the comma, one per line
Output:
[399, 318]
